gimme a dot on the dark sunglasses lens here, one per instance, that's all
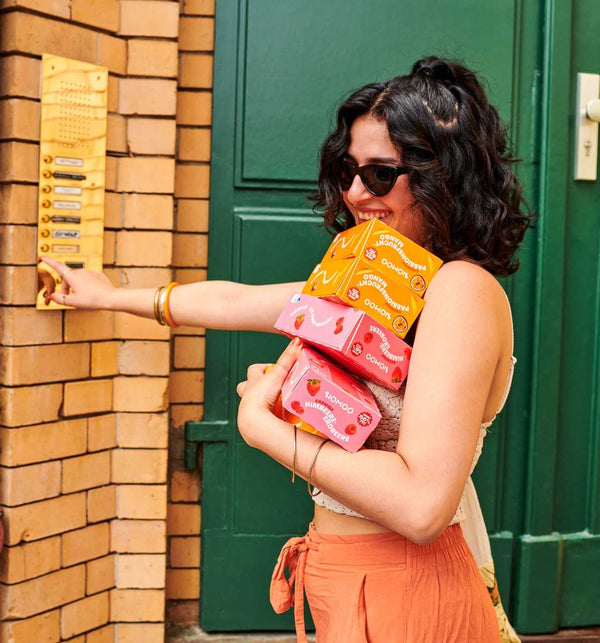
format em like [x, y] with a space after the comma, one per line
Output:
[379, 179]
[346, 175]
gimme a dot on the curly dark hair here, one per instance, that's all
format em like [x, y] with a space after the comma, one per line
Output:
[454, 146]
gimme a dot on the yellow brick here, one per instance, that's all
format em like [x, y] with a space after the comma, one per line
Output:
[196, 71]
[105, 359]
[109, 250]
[18, 161]
[186, 387]
[18, 203]
[196, 34]
[102, 503]
[29, 560]
[28, 33]
[45, 442]
[45, 363]
[189, 352]
[183, 519]
[17, 244]
[44, 628]
[136, 632]
[102, 432]
[134, 605]
[116, 135]
[151, 136]
[192, 181]
[184, 552]
[105, 634]
[141, 248]
[113, 93]
[88, 325]
[30, 404]
[148, 97]
[20, 119]
[30, 483]
[132, 277]
[20, 76]
[18, 285]
[40, 519]
[141, 394]
[143, 174]
[149, 211]
[138, 536]
[131, 327]
[199, 7]
[152, 58]
[54, 7]
[188, 276]
[192, 215]
[75, 639]
[140, 571]
[183, 584]
[194, 108]
[142, 501]
[86, 471]
[194, 144]
[91, 396]
[100, 13]
[85, 544]
[182, 413]
[143, 430]
[84, 615]
[139, 465]
[185, 486]
[112, 53]
[190, 250]
[19, 326]
[144, 358]
[110, 178]
[149, 18]
[113, 210]
[100, 574]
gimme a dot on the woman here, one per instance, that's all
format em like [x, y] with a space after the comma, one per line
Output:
[385, 558]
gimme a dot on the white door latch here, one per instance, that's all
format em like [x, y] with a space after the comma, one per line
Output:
[587, 116]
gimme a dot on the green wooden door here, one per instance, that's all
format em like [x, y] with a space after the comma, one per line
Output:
[280, 69]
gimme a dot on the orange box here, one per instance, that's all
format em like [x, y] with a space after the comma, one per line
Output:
[356, 283]
[390, 252]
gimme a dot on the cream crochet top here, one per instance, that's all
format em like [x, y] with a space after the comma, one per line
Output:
[385, 437]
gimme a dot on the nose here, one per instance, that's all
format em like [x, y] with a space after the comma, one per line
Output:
[357, 192]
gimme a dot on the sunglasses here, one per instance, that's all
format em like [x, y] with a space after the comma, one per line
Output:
[378, 179]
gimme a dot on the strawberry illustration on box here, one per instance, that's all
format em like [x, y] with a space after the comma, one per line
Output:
[349, 336]
[330, 400]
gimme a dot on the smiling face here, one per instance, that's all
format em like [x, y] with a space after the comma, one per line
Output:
[370, 143]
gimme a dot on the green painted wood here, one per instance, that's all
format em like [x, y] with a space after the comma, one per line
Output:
[279, 70]
[537, 583]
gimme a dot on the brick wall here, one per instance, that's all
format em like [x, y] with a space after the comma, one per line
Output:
[87, 399]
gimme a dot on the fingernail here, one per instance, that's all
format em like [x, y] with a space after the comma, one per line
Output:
[296, 342]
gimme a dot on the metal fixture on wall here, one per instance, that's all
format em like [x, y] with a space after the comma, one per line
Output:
[587, 116]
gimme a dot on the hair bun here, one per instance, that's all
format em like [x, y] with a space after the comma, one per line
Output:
[435, 69]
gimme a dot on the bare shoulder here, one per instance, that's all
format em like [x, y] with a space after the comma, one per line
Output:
[457, 277]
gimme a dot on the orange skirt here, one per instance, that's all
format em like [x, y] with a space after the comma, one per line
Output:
[383, 588]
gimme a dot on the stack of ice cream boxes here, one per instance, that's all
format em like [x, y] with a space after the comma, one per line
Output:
[356, 308]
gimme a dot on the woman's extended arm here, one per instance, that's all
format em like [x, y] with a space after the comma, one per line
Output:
[223, 305]
[460, 344]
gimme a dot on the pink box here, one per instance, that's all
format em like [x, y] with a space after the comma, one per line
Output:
[351, 337]
[330, 400]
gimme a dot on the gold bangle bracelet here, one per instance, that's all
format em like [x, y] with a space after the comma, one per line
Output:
[161, 307]
[157, 295]
[311, 468]
[294, 456]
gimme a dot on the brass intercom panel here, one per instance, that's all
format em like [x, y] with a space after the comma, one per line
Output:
[72, 166]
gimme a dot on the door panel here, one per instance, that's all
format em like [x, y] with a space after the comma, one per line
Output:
[280, 69]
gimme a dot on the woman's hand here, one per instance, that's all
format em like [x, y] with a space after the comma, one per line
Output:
[261, 390]
[79, 288]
